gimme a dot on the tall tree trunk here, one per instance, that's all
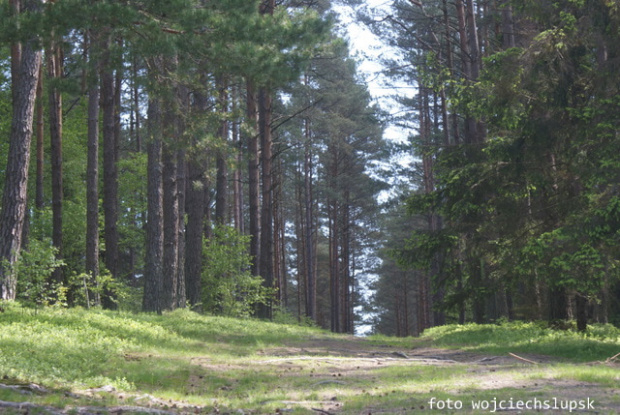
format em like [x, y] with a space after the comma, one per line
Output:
[237, 190]
[39, 200]
[171, 223]
[221, 184]
[183, 94]
[333, 213]
[171, 200]
[347, 286]
[454, 122]
[195, 208]
[334, 266]
[479, 133]
[508, 28]
[153, 273]
[25, 77]
[136, 105]
[425, 300]
[266, 232]
[265, 109]
[110, 172]
[54, 71]
[92, 182]
[309, 229]
[253, 178]
[300, 247]
[466, 60]
[194, 235]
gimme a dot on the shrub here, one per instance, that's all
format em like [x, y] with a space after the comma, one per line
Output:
[228, 287]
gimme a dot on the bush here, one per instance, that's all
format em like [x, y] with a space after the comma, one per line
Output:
[34, 269]
[228, 287]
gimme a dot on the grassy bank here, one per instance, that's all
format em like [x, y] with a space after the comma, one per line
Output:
[184, 362]
[598, 343]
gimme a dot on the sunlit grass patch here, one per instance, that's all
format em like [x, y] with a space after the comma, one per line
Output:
[593, 374]
[598, 343]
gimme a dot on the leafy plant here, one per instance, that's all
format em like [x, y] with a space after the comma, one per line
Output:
[228, 287]
[35, 266]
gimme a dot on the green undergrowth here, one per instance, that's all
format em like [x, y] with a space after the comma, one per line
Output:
[192, 363]
[599, 342]
[78, 348]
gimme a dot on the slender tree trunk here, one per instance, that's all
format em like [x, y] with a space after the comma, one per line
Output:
[424, 301]
[266, 233]
[183, 94]
[237, 190]
[347, 281]
[309, 250]
[221, 184]
[92, 182]
[254, 178]
[334, 234]
[170, 193]
[334, 268]
[266, 251]
[12, 215]
[153, 275]
[136, 105]
[194, 234]
[508, 28]
[40, 136]
[54, 71]
[467, 62]
[195, 207]
[110, 172]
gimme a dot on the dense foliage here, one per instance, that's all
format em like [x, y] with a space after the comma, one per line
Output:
[518, 141]
[184, 153]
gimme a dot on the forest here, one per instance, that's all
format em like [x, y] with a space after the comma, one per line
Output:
[226, 156]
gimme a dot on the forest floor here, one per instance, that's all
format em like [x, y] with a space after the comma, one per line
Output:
[186, 364]
[462, 382]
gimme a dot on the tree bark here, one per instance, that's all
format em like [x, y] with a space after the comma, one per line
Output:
[253, 178]
[110, 172]
[92, 184]
[39, 200]
[309, 229]
[183, 95]
[14, 198]
[237, 190]
[171, 223]
[266, 233]
[54, 71]
[194, 234]
[195, 207]
[221, 184]
[170, 194]
[153, 275]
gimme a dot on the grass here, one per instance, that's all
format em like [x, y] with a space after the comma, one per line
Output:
[214, 364]
[598, 343]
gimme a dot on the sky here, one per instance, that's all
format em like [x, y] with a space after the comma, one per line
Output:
[368, 49]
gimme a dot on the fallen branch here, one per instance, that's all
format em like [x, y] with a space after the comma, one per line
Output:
[611, 359]
[25, 389]
[322, 411]
[522, 358]
[30, 405]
